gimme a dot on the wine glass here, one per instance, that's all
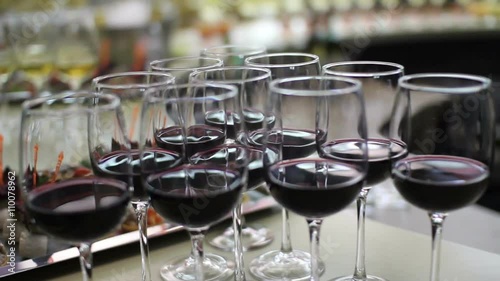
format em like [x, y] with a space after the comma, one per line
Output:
[77, 47]
[253, 86]
[60, 194]
[32, 47]
[208, 185]
[379, 81]
[233, 55]
[182, 67]
[130, 88]
[328, 115]
[285, 263]
[447, 122]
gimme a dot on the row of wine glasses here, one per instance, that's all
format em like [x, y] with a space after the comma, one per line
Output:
[253, 88]
[68, 182]
[439, 169]
[315, 136]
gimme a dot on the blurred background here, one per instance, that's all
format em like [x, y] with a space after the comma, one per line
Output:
[54, 44]
[49, 46]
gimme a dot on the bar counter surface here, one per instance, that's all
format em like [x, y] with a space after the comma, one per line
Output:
[394, 253]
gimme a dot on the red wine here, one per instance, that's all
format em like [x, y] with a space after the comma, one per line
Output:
[381, 153]
[440, 183]
[314, 188]
[126, 166]
[195, 195]
[199, 138]
[254, 120]
[227, 124]
[295, 143]
[77, 210]
[232, 154]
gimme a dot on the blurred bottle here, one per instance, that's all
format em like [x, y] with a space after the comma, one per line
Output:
[162, 24]
[132, 32]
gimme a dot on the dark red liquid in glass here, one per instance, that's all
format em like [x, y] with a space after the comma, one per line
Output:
[440, 183]
[314, 188]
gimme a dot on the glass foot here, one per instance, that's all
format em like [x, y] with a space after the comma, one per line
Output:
[183, 269]
[351, 278]
[276, 265]
[252, 238]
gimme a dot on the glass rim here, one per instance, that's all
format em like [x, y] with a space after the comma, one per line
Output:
[231, 92]
[267, 73]
[483, 83]
[20, 97]
[98, 82]
[252, 50]
[29, 107]
[398, 68]
[314, 59]
[355, 86]
[155, 65]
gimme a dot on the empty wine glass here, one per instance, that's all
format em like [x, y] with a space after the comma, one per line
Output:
[253, 86]
[60, 195]
[130, 88]
[327, 115]
[76, 55]
[182, 67]
[447, 122]
[233, 55]
[285, 263]
[32, 47]
[379, 80]
[209, 184]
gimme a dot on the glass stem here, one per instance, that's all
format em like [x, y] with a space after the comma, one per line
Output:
[314, 228]
[243, 221]
[286, 243]
[197, 236]
[141, 212]
[239, 273]
[437, 220]
[360, 269]
[75, 84]
[86, 260]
